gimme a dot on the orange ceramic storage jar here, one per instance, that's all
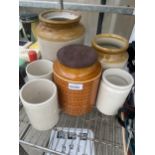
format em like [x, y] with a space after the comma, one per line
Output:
[77, 74]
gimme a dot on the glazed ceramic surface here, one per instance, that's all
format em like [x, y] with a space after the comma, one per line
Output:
[78, 79]
[39, 98]
[77, 88]
[57, 29]
[78, 75]
[114, 89]
[39, 69]
[112, 50]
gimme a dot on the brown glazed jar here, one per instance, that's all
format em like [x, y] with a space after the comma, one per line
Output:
[77, 74]
[111, 49]
[58, 28]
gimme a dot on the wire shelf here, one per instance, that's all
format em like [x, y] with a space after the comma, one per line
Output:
[77, 6]
[107, 132]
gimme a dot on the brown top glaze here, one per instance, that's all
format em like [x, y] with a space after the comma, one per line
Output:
[60, 25]
[120, 44]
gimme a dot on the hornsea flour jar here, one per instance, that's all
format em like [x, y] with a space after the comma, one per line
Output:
[56, 29]
[77, 74]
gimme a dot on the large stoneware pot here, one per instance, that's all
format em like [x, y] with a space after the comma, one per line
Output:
[56, 29]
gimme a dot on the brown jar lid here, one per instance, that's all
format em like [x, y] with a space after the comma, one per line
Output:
[77, 56]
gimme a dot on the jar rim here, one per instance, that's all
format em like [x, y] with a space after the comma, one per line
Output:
[68, 16]
[28, 85]
[33, 64]
[117, 38]
[117, 72]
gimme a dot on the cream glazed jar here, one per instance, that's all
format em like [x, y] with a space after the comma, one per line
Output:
[39, 98]
[114, 88]
[56, 29]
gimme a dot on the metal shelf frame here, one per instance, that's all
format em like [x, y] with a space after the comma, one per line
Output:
[108, 135]
[77, 6]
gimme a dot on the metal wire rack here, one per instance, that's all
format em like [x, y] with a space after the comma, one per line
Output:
[107, 132]
[76, 6]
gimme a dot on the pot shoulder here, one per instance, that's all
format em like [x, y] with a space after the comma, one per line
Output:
[77, 74]
[60, 33]
[113, 58]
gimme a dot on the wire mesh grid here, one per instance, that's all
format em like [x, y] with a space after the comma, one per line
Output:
[107, 132]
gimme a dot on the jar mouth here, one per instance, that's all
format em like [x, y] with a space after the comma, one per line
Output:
[59, 17]
[38, 92]
[39, 68]
[110, 43]
[117, 78]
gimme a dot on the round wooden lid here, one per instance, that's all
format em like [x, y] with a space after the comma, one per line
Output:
[77, 56]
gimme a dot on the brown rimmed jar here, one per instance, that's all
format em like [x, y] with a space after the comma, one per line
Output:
[111, 49]
[56, 29]
[77, 75]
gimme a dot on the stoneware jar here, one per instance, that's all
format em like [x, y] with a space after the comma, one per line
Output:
[39, 98]
[114, 88]
[40, 69]
[56, 29]
[111, 49]
[77, 74]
